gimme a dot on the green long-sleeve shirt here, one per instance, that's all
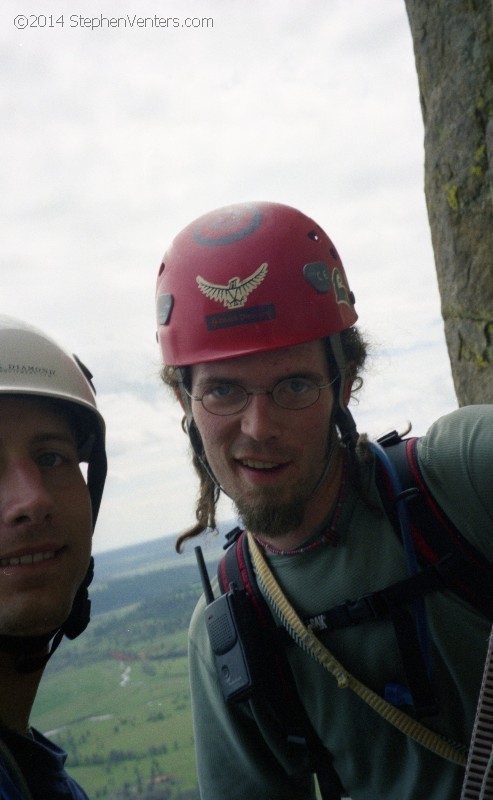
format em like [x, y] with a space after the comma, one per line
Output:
[238, 757]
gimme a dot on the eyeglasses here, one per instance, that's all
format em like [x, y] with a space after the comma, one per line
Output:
[294, 394]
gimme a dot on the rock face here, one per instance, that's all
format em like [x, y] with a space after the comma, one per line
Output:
[453, 47]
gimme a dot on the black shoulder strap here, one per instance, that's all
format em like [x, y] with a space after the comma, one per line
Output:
[434, 534]
[278, 687]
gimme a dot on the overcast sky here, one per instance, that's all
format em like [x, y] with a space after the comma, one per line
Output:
[115, 136]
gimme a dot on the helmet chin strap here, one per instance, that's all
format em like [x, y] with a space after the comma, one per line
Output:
[343, 417]
[32, 653]
[331, 451]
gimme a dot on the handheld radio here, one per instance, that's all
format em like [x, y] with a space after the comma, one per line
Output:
[223, 618]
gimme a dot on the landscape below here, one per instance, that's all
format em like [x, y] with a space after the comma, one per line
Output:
[117, 698]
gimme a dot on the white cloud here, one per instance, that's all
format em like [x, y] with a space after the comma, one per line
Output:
[118, 138]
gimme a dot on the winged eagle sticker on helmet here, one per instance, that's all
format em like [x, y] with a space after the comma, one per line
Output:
[236, 293]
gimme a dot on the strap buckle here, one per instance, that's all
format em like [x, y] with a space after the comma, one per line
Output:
[368, 607]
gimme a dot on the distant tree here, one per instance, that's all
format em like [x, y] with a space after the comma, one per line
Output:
[453, 48]
[138, 778]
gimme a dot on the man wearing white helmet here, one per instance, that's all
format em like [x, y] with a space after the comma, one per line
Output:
[256, 328]
[49, 423]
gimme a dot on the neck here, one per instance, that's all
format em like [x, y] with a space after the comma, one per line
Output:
[17, 694]
[317, 507]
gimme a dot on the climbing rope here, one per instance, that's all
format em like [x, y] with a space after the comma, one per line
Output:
[305, 638]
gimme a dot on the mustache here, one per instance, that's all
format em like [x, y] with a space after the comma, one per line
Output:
[249, 449]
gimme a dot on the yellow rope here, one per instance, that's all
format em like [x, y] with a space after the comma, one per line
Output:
[404, 723]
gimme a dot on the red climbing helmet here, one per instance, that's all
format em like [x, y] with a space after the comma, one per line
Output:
[248, 278]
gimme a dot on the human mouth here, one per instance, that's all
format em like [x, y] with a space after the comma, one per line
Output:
[253, 464]
[28, 558]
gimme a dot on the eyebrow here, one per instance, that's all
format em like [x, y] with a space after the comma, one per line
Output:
[49, 436]
[312, 376]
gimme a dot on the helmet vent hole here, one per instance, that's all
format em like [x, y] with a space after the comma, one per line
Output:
[314, 235]
[161, 269]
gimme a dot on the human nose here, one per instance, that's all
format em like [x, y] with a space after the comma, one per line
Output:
[259, 418]
[24, 497]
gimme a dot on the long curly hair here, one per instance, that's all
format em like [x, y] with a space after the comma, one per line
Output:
[355, 349]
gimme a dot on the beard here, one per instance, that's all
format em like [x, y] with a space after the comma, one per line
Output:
[268, 517]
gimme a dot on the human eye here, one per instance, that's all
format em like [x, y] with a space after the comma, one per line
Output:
[56, 454]
[222, 395]
[296, 385]
[295, 392]
[50, 459]
[221, 390]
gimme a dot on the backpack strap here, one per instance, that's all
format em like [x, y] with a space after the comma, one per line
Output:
[434, 534]
[276, 686]
[439, 558]
[390, 603]
[429, 539]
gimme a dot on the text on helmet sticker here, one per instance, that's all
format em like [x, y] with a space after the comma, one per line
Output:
[237, 291]
[240, 316]
[317, 274]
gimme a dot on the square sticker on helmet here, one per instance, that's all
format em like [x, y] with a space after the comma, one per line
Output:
[317, 274]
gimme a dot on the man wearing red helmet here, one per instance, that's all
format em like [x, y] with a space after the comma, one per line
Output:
[256, 328]
[49, 423]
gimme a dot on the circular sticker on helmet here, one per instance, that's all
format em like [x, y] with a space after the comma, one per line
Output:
[227, 225]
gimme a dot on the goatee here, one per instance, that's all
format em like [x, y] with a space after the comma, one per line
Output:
[271, 519]
[268, 517]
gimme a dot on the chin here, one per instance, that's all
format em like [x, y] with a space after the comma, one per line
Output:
[271, 520]
[39, 624]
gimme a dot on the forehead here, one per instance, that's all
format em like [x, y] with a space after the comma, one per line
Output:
[21, 414]
[308, 357]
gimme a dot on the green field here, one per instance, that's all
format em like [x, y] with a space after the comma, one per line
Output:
[117, 699]
[125, 725]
